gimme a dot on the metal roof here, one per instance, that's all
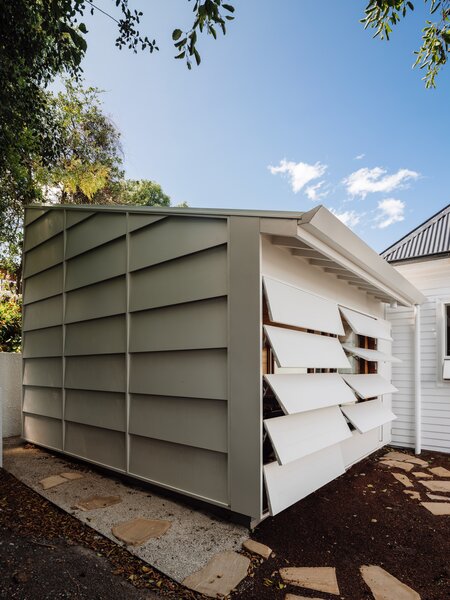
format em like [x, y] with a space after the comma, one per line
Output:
[431, 238]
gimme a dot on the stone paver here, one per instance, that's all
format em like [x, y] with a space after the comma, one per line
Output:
[295, 597]
[437, 486]
[72, 475]
[94, 502]
[440, 471]
[436, 497]
[257, 548]
[405, 457]
[52, 481]
[385, 586]
[403, 479]
[422, 475]
[437, 508]
[414, 495]
[397, 464]
[138, 531]
[319, 579]
[221, 575]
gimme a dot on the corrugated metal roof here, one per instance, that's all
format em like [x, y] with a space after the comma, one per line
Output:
[431, 238]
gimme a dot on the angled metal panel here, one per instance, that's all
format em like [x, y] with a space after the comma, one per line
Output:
[368, 415]
[365, 325]
[43, 285]
[98, 336]
[195, 277]
[298, 393]
[43, 431]
[182, 468]
[194, 325]
[42, 342]
[93, 232]
[45, 372]
[291, 305]
[360, 445]
[105, 373]
[31, 214]
[369, 385]
[76, 216]
[298, 349]
[44, 256]
[43, 401]
[296, 436]
[39, 231]
[98, 445]
[102, 409]
[45, 313]
[174, 237]
[188, 421]
[371, 355]
[98, 300]
[96, 265]
[136, 221]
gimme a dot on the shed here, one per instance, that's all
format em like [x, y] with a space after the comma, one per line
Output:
[423, 257]
[237, 357]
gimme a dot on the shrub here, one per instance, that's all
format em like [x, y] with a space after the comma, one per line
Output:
[10, 322]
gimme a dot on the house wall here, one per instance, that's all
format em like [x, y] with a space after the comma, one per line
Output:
[432, 278]
[10, 393]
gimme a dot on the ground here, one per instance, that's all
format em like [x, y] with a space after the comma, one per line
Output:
[362, 518]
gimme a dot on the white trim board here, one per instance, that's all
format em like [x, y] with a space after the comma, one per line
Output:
[371, 355]
[369, 385]
[298, 349]
[291, 305]
[364, 325]
[296, 436]
[367, 415]
[298, 393]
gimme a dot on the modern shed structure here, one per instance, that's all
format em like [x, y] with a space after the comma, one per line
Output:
[237, 357]
[423, 410]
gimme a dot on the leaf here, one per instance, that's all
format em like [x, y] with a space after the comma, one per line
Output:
[176, 34]
[228, 7]
[198, 60]
[181, 55]
[82, 28]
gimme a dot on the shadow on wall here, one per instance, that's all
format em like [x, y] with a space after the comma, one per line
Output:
[10, 393]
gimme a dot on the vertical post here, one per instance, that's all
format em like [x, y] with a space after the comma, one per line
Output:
[127, 349]
[63, 325]
[417, 381]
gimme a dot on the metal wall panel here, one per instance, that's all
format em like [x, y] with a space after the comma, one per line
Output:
[31, 214]
[43, 342]
[172, 238]
[369, 385]
[101, 263]
[365, 325]
[43, 401]
[368, 415]
[189, 421]
[194, 325]
[183, 468]
[102, 409]
[44, 256]
[98, 336]
[45, 372]
[191, 373]
[48, 225]
[96, 231]
[97, 300]
[43, 285]
[195, 277]
[106, 373]
[76, 216]
[45, 313]
[137, 221]
[98, 445]
[42, 430]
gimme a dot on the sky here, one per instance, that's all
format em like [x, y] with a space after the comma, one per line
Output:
[296, 106]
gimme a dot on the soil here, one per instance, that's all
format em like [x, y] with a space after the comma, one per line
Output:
[362, 518]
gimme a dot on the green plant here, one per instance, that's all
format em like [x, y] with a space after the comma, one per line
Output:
[10, 322]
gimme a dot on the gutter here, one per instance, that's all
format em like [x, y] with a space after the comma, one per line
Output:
[417, 383]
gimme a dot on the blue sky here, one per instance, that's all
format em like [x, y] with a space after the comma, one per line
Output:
[289, 99]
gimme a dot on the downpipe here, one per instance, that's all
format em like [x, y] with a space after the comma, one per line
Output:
[417, 382]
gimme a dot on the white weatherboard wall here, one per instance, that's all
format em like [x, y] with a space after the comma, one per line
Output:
[432, 278]
[11, 393]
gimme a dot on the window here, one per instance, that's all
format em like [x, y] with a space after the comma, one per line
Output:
[445, 341]
[447, 329]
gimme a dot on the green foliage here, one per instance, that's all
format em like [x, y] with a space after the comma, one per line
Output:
[143, 192]
[10, 321]
[432, 55]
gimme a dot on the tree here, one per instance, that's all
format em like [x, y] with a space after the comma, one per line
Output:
[383, 15]
[143, 192]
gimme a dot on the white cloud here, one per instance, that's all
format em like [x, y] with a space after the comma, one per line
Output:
[313, 191]
[349, 217]
[299, 173]
[359, 156]
[390, 211]
[365, 181]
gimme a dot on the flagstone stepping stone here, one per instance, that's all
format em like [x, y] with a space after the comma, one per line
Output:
[257, 548]
[52, 481]
[221, 574]
[319, 579]
[72, 475]
[385, 586]
[437, 486]
[437, 508]
[405, 457]
[435, 497]
[397, 464]
[440, 471]
[138, 531]
[414, 495]
[294, 597]
[422, 475]
[94, 502]
[403, 479]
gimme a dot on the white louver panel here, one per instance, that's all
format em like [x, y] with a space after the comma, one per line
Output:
[371, 355]
[368, 415]
[446, 370]
[300, 393]
[365, 325]
[286, 485]
[290, 305]
[296, 436]
[369, 386]
[298, 349]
